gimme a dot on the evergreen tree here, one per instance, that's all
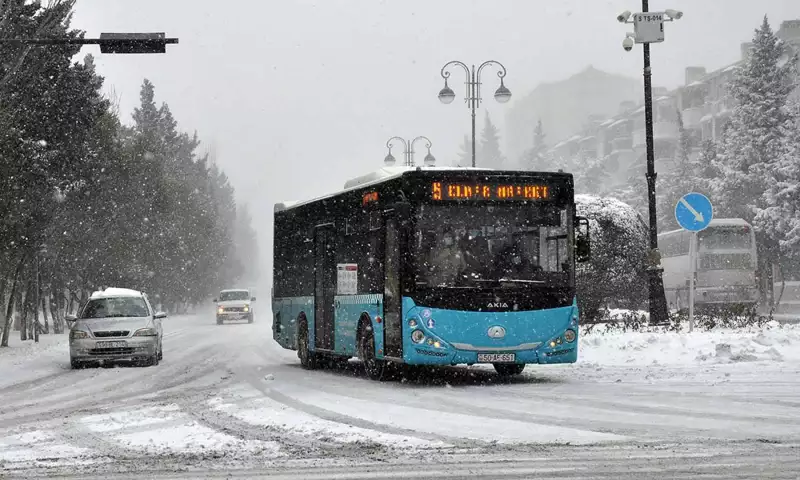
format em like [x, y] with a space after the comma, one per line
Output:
[535, 158]
[489, 154]
[87, 202]
[758, 134]
[684, 177]
[465, 155]
[780, 217]
[591, 175]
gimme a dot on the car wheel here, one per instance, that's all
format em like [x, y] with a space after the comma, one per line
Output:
[160, 352]
[308, 359]
[219, 321]
[74, 364]
[250, 318]
[509, 369]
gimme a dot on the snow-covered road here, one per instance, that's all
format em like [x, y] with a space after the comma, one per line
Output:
[227, 398]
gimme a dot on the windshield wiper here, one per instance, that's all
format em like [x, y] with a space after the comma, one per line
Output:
[516, 280]
[508, 280]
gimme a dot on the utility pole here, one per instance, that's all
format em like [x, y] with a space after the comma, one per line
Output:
[649, 28]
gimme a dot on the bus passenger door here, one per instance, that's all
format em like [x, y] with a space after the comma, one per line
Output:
[324, 287]
[392, 297]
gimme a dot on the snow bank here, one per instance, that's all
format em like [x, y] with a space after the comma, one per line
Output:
[773, 343]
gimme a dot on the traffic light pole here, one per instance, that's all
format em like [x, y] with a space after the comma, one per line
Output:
[109, 42]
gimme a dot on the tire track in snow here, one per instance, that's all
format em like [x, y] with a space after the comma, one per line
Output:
[255, 381]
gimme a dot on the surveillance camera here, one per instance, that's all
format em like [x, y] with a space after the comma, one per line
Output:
[627, 44]
[624, 16]
[674, 14]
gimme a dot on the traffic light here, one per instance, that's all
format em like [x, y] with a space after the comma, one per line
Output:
[134, 42]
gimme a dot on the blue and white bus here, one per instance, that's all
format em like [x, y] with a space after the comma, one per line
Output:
[431, 266]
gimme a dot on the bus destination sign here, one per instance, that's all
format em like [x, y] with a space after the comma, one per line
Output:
[486, 191]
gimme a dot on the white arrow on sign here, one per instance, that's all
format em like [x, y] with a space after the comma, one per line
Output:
[697, 215]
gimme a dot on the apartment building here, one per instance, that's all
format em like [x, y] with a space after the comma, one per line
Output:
[705, 106]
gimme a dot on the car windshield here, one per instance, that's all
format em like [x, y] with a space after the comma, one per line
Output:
[234, 295]
[115, 307]
[467, 246]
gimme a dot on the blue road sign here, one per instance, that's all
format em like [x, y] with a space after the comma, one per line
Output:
[694, 212]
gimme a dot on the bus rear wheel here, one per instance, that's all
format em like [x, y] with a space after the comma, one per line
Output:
[509, 369]
[366, 352]
[308, 359]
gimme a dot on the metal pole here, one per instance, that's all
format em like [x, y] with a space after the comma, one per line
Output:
[473, 105]
[692, 269]
[658, 302]
[409, 154]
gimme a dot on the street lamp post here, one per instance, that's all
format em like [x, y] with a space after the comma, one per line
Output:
[408, 151]
[649, 28]
[473, 97]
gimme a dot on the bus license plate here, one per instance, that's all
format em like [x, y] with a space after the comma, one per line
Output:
[497, 357]
[112, 344]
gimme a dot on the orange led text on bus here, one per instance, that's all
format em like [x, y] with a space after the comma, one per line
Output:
[489, 192]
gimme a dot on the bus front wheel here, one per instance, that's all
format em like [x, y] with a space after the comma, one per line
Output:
[509, 369]
[366, 352]
[308, 359]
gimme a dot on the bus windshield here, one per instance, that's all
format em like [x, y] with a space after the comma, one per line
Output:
[510, 245]
[716, 238]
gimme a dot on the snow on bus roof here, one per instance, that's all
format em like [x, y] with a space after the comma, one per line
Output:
[378, 176]
[717, 222]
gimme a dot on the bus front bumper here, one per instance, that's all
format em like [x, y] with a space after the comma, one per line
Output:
[564, 352]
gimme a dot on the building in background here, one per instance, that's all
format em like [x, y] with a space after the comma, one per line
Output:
[705, 106]
[563, 107]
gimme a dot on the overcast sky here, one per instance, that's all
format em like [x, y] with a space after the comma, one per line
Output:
[298, 96]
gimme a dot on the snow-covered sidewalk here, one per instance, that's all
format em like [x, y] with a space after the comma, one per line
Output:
[773, 343]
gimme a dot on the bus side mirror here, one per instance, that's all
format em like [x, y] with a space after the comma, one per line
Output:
[583, 245]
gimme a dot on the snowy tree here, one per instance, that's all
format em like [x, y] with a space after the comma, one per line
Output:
[616, 274]
[779, 219]
[634, 192]
[536, 158]
[759, 129]
[489, 154]
[465, 155]
[685, 176]
[591, 175]
[89, 202]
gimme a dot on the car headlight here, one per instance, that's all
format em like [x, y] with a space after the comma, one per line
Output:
[220, 310]
[247, 308]
[77, 334]
[145, 332]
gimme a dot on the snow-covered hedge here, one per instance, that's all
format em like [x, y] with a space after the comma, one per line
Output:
[615, 276]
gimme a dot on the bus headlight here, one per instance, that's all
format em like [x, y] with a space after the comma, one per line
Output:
[569, 336]
[417, 336]
[412, 322]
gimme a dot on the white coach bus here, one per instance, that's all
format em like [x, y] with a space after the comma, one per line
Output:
[726, 265]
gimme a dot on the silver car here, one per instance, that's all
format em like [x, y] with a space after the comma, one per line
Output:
[116, 325]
